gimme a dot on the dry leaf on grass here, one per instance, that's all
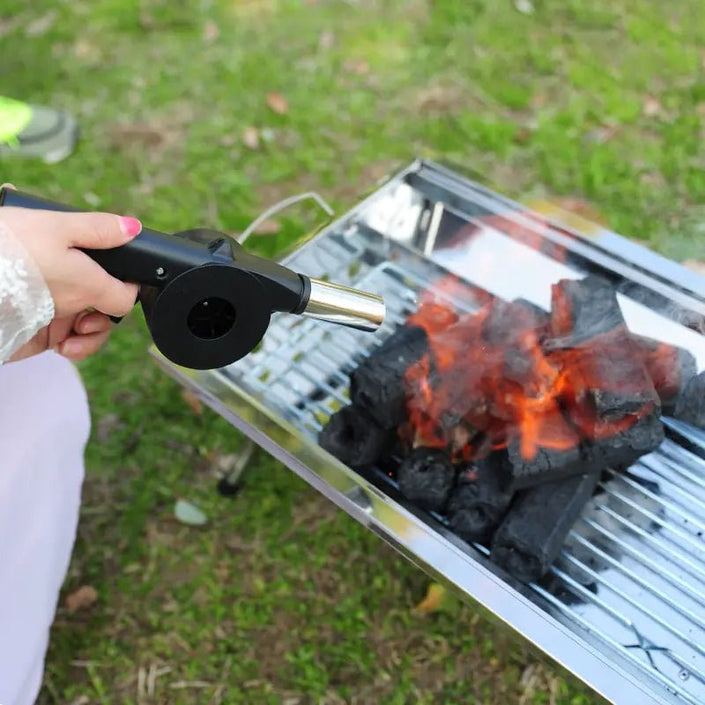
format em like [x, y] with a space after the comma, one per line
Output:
[277, 103]
[250, 137]
[434, 599]
[210, 31]
[193, 401]
[84, 597]
[326, 40]
[356, 66]
[651, 106]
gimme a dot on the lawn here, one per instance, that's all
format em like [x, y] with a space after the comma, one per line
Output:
[207, 112]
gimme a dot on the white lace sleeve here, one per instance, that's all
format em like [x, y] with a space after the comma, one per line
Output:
[26, 305]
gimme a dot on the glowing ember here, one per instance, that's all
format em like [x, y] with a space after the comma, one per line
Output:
[508, 374]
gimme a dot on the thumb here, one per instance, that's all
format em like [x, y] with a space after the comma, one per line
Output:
[97, 231]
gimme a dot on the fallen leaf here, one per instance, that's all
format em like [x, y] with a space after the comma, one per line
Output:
[193, 401]
[268, 227]
[189, 514]
[210, 31]
[250, 137]
[539, 100]
[435, 596]
[84, 597]
[277, 103]
[41, 25]
[326, 40]
[86, 51]
[357, 66]
[695, 265]
[81, 700]
[651, 106]
[523, 135]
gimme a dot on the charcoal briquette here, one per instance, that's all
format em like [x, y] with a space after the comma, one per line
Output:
[691, 404]
[624, 448]
[477, 503]
[354, 438]
[536, 526]
[594, 347]
[548, 465]
[505, 320]
[584, 308]
[426, 477]
[669, 367]
[541, 316]
[377, 384]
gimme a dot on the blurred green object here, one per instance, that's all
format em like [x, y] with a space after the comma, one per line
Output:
[36, 131]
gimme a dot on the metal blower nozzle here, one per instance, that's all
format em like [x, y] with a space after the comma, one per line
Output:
[346, 306]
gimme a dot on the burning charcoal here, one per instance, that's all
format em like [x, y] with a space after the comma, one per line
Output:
[541, 315]
[584, 308]
[669, 367]
[355, 439]
[426, 477]
[625, 447]
[477, 503]
[548, 465]
[537, 524]
[377, 385]
[691, 405]
[505, 321]
[606, 379]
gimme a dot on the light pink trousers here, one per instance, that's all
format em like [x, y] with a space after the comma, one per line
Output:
[44, 427]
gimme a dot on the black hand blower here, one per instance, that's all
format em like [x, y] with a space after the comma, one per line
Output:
[207, 301]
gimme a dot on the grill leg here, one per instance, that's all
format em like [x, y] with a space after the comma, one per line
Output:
[231, 482]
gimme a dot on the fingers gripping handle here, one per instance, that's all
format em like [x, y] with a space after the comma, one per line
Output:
[150, 258]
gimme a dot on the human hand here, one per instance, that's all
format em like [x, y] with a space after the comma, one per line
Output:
[75, 281]
[74, 337]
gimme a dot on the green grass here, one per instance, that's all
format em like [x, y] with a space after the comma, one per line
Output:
[282, 599]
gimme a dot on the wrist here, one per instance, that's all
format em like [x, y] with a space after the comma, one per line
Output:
[26, 304]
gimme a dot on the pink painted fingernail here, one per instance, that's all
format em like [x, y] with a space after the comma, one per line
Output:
[130, 226]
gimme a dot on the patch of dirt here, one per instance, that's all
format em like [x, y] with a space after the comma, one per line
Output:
[346, 191]
[438, 99]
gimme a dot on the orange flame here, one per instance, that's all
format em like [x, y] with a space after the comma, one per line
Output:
[486, 381]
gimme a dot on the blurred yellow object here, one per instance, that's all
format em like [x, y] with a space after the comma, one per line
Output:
[572, 213]
[435, 597]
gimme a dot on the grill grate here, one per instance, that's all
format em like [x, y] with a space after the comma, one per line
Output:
[632, 572]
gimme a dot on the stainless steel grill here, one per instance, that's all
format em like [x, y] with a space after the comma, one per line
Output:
[624, 606]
